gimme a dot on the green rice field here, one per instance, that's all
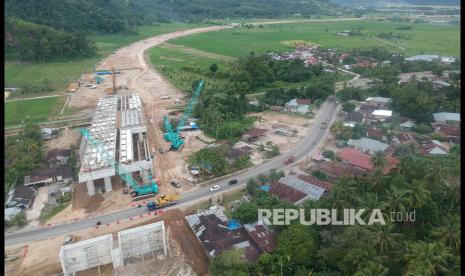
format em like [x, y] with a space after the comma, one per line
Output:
[34, 110]
[420, 39]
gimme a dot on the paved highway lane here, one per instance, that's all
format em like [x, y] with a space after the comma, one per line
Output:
[313, 137]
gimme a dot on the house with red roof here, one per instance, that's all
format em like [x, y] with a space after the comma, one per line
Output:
[362, 162]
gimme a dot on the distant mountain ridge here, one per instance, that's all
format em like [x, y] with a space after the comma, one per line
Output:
[374, 3]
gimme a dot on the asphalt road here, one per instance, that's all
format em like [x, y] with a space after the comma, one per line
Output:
[313, 137]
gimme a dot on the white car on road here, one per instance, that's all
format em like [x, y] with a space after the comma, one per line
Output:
[214, 188]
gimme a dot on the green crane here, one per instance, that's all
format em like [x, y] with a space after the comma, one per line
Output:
[174, 135]
[138, 190]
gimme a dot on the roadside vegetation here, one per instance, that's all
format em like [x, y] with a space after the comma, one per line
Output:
[49, 211]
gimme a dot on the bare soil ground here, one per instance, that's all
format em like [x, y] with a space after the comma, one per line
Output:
[185, 247]
[271, 121]
[65, 139]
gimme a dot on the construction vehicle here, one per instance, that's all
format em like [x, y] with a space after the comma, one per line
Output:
[70, 239]
[162, 201]
[174, 135]
[139, 191]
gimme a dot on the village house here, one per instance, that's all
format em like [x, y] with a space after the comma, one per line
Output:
[451, 132]
[41, 177]
[218, 234]
[447, 118]
[376, 134]
[353, 118]
[22, 197]
[362, 162]
[381, 114]
[298, 188]
[301, 106]
[433, 147]
[406, 126]
[57, 157]
[367, 145]
[333, 170]
[254, 134]
[423, 75]
[381, 102]
[403, 138]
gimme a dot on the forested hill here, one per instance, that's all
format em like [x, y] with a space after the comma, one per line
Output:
[25, 41]
[379, 3]
[40, 30]
[109, 16]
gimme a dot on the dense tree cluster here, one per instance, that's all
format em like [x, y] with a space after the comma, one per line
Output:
[222, 110]
[25, 41]
[23, 154]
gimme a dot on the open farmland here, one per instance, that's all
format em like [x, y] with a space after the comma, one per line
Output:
[34, 110]
[60, 73]
[241, 41]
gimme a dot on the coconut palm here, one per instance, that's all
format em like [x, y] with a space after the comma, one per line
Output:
[396, 199]
[450, 233]
[418, 194]
[427, 259]
[369, 202]
[372, 268]
[379, 160]
[384, 239]
[31, 145]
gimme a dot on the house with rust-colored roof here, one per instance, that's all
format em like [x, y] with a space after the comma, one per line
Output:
[362, 162]
[334, 170]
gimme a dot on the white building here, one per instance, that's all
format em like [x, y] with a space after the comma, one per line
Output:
[367, 145]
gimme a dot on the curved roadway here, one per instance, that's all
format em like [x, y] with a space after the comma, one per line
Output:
[312, 139]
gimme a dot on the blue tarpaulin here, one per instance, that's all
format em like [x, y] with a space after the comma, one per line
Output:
[233, 224]
[265, 188]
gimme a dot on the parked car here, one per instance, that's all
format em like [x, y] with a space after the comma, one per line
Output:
[160, 150]
[176, 183]
[232, 181]
[214, 188]
[151, 121]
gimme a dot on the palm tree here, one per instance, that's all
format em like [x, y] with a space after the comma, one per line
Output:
[372, 268]
[427, 259]
[30, 145]
[450, 233]
[396, 199]
[418, 194]
[384, 239]
[369, 202]
[379, 160]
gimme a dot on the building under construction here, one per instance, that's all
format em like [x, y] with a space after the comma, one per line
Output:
[118, 124]
[133, 245]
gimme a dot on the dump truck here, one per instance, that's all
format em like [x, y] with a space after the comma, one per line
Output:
[162, 201]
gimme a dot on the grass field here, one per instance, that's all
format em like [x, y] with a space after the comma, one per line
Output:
[422, 38]
[171, 60]
[60, 74]
[35, 110]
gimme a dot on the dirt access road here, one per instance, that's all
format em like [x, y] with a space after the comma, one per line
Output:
[142, 78]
